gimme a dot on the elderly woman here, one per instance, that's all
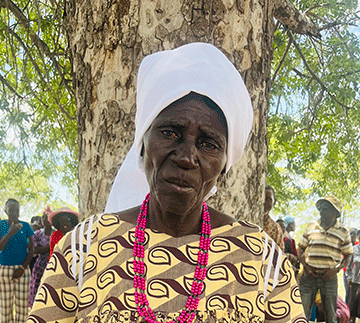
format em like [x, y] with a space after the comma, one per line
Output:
[173, 258]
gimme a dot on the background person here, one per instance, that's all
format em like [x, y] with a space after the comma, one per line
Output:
[63, 220]
[347, 274]
[289, 241]
[272, 228]
[281, 222]
[172, 253]
[16, 251]
[36, 224]
[320, 250]
[42, 249]
[354, 283]
[290, 244]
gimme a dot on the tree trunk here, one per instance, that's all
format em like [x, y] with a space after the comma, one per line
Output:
[108, 40]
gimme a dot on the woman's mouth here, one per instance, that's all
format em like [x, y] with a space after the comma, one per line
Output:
[180, 186]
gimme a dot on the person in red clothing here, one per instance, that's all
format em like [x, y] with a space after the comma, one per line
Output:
[289, 243]
[63, 220]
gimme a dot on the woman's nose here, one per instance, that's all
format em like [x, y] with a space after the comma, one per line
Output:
[186, 155]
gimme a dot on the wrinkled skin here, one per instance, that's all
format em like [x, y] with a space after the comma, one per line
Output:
[184, 154]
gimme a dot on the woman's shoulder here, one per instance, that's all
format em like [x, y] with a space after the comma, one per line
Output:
[92, 230]
[249, 228]
[106, 224]
[110, 219]
[130, 215]
[239, 229]
[219, 219]
[126, 217]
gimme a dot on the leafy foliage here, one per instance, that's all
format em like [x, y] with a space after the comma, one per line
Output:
[38, 116]
[314, 129]
[313, 118]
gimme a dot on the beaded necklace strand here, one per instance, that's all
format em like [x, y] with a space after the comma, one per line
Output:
[188, 313]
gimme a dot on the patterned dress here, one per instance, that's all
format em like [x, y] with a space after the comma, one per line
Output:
[248, 277]
[40, 240]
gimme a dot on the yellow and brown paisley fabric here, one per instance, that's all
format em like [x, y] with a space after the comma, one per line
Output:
[233, 289]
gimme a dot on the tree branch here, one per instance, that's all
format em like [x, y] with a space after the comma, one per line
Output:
[9, 86]
[300, 73]
[39, 43]
[278, 105]
[23, 45]
[329, 25]
[40, 75]
[293, 19]
[281, 61]
[350, 73]
[317, 52]
[313, 73]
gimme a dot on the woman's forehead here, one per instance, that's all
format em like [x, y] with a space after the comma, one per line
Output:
[194, 106]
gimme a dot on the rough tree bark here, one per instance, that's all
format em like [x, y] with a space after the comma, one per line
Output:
[108, 39]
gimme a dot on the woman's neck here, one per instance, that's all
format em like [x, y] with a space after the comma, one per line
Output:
[176, 225]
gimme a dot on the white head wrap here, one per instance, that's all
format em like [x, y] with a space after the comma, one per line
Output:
[167, 76]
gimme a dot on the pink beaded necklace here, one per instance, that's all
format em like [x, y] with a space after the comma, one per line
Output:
[189, 312]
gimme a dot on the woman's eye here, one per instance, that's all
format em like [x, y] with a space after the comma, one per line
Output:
[169, 133]
[208, 145]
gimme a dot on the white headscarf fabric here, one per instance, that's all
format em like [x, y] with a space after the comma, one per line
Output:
[167, 76]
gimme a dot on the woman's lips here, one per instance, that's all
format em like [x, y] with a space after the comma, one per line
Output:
[180, 187]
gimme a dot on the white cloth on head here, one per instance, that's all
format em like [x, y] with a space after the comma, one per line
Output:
[167, 76]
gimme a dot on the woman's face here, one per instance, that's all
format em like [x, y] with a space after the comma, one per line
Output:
[65, 224]
[184, 153]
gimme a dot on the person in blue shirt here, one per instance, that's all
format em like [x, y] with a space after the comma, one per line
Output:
[16, 252]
